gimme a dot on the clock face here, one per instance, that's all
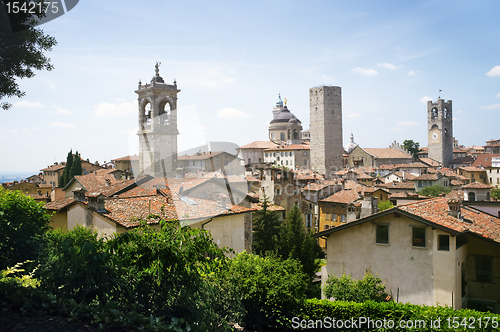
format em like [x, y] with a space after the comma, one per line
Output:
[435, 136]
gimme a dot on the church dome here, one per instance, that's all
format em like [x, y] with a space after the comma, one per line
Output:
[351, 146]
[284, 116]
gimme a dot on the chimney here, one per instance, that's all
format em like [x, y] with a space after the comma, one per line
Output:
[454, 207]
[96, 201]
[221, 201]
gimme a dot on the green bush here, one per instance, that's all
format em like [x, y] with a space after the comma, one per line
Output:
[22, 223]
[172, 272]
[315, 312]
[434, 191]
[495, 193]
[270, 288]
[385, 205]
[370, 288]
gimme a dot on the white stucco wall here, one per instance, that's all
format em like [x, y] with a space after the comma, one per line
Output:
[413, 270]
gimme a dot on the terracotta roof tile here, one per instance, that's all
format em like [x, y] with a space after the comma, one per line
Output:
[59, 204]
[412, 165]
[475, 221]
[472, 169]
[484, 160]
[132, 158]
[343, 196]
[398, 185]
[476, 185]
[259, 145]
[289, 147]
[53, 168]
[430, 162]
[387, 153]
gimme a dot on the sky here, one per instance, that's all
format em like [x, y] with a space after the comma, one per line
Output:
[231, 59]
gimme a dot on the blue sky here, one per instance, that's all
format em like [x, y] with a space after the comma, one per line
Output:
[231, 59]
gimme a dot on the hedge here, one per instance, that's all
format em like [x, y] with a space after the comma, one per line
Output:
[387, 316]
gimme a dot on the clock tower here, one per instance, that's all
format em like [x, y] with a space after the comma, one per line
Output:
[440, 131]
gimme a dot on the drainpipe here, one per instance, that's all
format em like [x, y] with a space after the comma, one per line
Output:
[203, 225]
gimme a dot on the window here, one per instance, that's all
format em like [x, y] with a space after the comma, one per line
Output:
[420, 183]
[327, 216]
[286, 154]
[308, 220]
[343, 218]
[472, 197]
[287, 162]
[382, 234]
[267, 154]
[418, 237]
[249, 161]
[282, 136]
[278, 158]
[291, 153]
[484, 269]
[334, 217]
[277, 191]
[305, 163]
[444, 242]
[305, 154]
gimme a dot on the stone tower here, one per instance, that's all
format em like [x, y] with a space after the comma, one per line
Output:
[327, 150]
[157, 127]
[440, 131]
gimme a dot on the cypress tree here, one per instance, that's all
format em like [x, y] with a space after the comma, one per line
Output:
[295, 243]
[67, 169]
[266, 230]
[76, 167]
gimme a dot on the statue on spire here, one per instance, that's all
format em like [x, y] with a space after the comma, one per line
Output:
[157, 68]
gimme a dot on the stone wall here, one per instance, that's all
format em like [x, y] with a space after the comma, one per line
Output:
[326, 130]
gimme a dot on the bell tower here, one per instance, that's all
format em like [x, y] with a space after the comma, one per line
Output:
[440, 131]
[157, 126]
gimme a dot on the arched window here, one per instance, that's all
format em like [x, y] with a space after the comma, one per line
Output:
[147, 112]
[165, 112]
[446, 113]
[289, 134]
[472, 197]
[434, 112]
[488, 196]
[295, 134]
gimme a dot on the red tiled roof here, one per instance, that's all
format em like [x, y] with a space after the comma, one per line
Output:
[430, 162]
[386, 153]
[44, 185]
[53, 168]
[259, 145]
[95, 183]
[289, 147]
[343, 196]
[484, 160]
[475, 221]
[270, 207]
[398, 185]
[472, 169]
[203, 155]
[476, 185]
[306, 174]
[314, 187]
[134, 157]
[412, 165]
[59, 204]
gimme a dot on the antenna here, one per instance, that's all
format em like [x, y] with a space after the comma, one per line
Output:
[439, 97]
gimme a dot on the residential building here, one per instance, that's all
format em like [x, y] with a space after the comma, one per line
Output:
[474, 174]
[211, 162]
[434, 251]
[491, 164]
[293, 156]
[492, 146]
[375, 157]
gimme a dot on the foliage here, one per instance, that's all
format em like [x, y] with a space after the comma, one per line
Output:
[269, 288]
[73, 167]
[295, 243]
[22, 223]
[413, 147]
[15, 275]
[22, 48]
[265, 230]
[370, 288]
[314, 310]
[434, 191]
[172, 272]
[385, 205]
[495, 193]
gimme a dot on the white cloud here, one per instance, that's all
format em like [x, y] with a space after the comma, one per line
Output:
[495, 71]
[498, 95]
[62, 111]
[63, 125]
[388, 66]
[108, 110]
[51, 85]
[325, 77]
[229, 112]
[491, 107]
[352, 114]
[411, 73]
[407, 123]
[424, 99]
[30, 104]
[363, 71]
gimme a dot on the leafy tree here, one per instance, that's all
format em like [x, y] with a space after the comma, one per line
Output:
[22, 223]
[269, 288]
[434, 191]
[295, 243]
[385, 205]
[413, 147]
[495, 193]
[22, 48]
[266, 229]
[370, 288]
